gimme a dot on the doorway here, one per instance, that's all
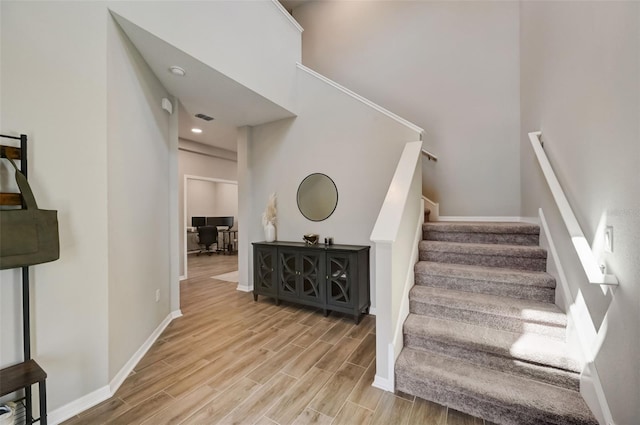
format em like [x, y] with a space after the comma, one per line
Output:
[206, 197]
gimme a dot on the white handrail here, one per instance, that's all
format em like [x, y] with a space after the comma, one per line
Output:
[580, 243]
[429, 155]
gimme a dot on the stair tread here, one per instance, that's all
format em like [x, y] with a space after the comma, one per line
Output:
[482, 227]
[528, 251]
[522, 309]
[492, 274]
[529, 347]
[535, 400]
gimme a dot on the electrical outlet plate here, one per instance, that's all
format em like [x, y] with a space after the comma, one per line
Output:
[608, 239]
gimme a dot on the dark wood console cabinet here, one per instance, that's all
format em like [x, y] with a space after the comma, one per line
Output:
[330, 277]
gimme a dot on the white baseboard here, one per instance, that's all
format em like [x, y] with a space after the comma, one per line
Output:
[138, 355]
[382, 383]
[69, 410]
[373, 311]
[183, 277]
[244, 288]
[480, 218]
[101, 394]
[593, 393]
[580, 336]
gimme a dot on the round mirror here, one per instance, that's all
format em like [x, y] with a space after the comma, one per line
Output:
[317, 197]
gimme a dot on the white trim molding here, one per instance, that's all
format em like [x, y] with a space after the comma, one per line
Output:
[71, 409]
[119, 378]
[243, 288]
[581, 334]
[367, 102]
[287, 15]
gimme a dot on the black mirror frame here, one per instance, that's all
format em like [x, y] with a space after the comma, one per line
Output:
[335, 205]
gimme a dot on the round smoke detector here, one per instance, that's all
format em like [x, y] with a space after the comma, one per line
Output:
[176, 70]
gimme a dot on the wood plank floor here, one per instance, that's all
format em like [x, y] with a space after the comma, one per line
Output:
[231, 360]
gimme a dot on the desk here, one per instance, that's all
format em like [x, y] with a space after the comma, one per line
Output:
[229, 241]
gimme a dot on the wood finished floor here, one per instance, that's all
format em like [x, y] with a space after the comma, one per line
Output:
[231, 360]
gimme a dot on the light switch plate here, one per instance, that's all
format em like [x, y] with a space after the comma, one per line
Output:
[608, 239]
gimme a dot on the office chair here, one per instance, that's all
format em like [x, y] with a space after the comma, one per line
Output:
[207, 236]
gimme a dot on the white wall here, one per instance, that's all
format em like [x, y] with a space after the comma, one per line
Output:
[138, 192]
[579, 72]
[195, 164]
[334, 134]
[211, 199]
[234, 37]
[201, 199]
[227, 201]
[450, 67]
[54, 74]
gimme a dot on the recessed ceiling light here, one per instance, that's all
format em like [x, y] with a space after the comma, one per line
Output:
[176, 70]
[196, 130]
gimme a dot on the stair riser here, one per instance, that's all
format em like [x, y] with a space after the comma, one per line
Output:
[492, 238]
[499, 414]
[518, 263]
[534, 293]
[510, 324]
[496, 361]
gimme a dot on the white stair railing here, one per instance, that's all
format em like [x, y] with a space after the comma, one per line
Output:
[595, 272]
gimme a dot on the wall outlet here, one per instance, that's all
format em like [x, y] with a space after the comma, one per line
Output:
[608, 239]
[157, 295]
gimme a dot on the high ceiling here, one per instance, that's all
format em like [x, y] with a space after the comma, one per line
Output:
[202, 90]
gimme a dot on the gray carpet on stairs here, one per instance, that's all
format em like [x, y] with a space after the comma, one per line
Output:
[493, 233]
[528, 355]
[483, 335]
[492, 255]
[539, 286]
[479, 391]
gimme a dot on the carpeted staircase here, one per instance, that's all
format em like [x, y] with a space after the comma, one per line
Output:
[483, 335]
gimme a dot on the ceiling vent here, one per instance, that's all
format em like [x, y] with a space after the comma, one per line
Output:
[204, 117]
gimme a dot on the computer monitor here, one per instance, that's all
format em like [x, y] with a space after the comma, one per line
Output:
[198, 221]
[220, 221]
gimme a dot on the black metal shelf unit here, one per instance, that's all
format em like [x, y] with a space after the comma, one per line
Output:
[27, 373]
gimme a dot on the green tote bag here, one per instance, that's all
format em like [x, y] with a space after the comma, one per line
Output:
[29, 235]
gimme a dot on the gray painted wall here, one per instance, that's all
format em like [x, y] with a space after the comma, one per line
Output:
[60, 102]
[138, 198]
[580, 86]
[334, 134]
[211, 199]
[449, 67]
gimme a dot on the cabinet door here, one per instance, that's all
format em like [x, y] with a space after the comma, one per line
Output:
[340, 290]
[288, 273]
[311, 276]
[264, 270]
